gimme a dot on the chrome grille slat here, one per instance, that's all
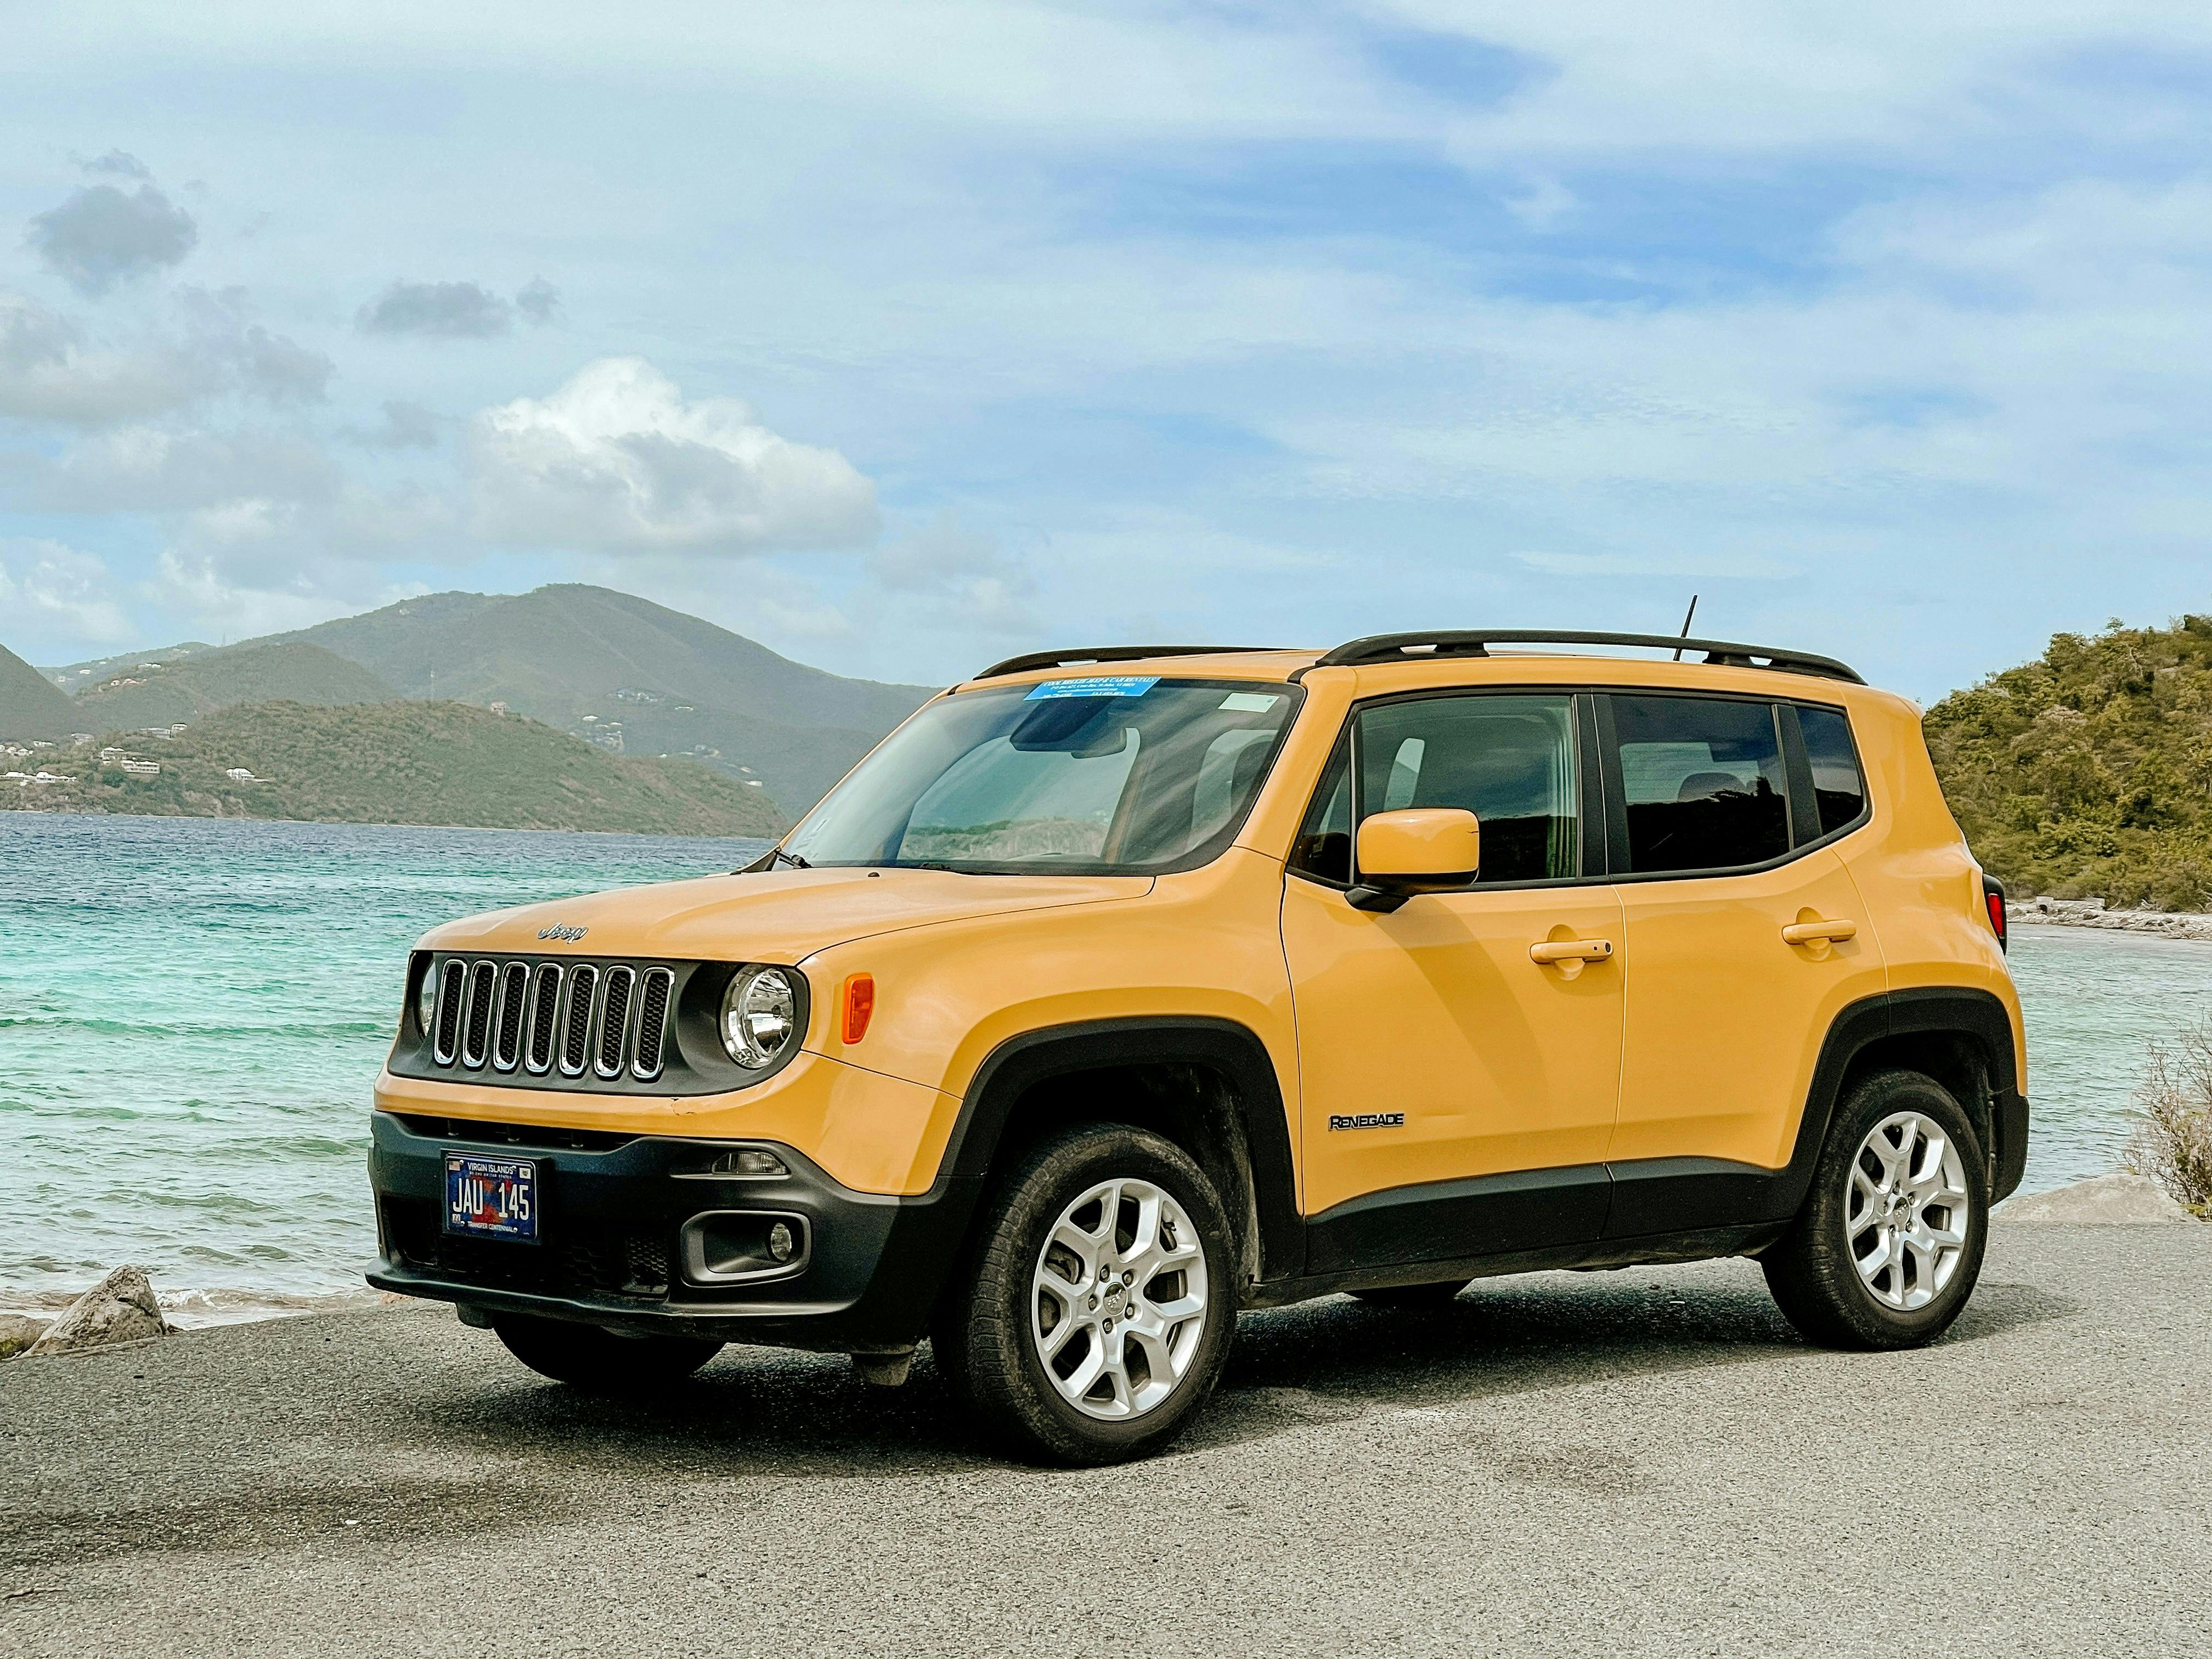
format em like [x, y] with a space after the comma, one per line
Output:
[541, 1030]
[507, 1016]
[576, 1027]
[475, 1030]
[445, 1018]
[614, 1020]
[656, 989]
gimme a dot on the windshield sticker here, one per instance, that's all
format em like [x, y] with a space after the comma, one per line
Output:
[1249, 702]
[1097, 685]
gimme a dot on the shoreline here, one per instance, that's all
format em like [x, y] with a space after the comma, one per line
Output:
[2193, 925]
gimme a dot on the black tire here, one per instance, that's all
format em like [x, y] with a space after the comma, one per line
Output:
[600, 1361]
[1414, 1296]
[1812, 1269]
[983, 1337]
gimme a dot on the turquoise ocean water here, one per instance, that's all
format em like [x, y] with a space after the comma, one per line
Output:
[193, 1010]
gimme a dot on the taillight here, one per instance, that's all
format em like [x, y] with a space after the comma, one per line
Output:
[859, 1006]
[1993, 900]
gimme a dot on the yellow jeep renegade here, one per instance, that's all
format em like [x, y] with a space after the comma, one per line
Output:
[1119, 990]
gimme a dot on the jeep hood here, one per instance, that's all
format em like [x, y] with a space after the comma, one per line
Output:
[782, 916]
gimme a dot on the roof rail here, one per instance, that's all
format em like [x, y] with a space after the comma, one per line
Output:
[1111, 654]
[1400, 647]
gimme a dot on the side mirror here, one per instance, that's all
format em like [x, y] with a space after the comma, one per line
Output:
[1422, 849]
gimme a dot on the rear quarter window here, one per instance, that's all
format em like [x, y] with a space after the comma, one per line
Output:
[1838, 785]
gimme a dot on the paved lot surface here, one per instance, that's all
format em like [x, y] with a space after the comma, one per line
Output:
[1644, 1462]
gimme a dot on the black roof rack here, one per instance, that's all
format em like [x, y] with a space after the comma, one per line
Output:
[1111, 654]
[1401, 647]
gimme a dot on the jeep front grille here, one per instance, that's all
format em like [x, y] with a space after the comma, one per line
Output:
[614, 1018]
[601, 1022]
[576, 1031]
[544, 1008]
[654, 993]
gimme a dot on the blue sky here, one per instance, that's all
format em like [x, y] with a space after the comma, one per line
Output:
[901, 337]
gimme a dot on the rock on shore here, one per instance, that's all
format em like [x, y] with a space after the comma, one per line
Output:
[18, 1332]
[120, 1308]
[2092, 913]
[2121, 1199]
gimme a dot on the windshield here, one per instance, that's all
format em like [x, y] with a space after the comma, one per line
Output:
[1113, 774]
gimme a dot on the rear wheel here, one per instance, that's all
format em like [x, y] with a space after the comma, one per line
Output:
[1097, 1313]
[1888, 1244]
[601, 1361]
[1415, 1296]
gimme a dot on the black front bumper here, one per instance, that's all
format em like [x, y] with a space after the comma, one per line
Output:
[613, 1211]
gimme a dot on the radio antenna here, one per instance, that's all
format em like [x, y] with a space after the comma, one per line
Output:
[1686, 615]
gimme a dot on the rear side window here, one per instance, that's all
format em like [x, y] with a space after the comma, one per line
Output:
[1839, 786]
[1703, 782]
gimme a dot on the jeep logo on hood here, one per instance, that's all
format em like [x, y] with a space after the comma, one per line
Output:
[560, 932]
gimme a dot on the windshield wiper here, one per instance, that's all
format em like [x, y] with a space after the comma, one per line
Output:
[779, 856]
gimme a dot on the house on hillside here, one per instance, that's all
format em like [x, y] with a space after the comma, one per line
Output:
[142, 768]
[240, 775]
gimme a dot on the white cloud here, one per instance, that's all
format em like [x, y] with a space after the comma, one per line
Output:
[199, 591]
[617, 461]
[51, 370]
[102, 235]
[59, 588]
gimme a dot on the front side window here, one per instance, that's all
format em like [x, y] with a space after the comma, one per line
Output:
[1121, 774]
[1509, 760]
[1703, 780]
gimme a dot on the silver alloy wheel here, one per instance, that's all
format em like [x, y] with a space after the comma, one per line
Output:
[1118, 1301]
[1907, 1215]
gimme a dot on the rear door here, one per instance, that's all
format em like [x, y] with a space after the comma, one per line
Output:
[1747, 936]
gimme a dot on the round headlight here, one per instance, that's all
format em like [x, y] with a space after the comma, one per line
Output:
[426, 999]
[760, 1016]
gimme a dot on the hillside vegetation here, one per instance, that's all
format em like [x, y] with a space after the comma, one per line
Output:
[153, 693]
[29, 706]
[595, 662]
[2088, 773]
[402, 762]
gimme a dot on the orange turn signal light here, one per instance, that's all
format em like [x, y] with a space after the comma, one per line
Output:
[859, 1001]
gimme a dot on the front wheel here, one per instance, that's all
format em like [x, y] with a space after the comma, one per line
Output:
[601, 1361]
[1097, 1313]
[1888, 1244]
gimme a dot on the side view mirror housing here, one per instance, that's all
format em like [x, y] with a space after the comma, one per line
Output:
[1421, 849]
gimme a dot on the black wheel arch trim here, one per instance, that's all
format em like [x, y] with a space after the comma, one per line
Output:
[1931, 1010]
[1224, 1046]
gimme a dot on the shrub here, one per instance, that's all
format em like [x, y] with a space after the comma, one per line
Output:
[2172, 1145]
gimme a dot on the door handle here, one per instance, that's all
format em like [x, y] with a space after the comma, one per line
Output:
[1550, 952]
[1821, 932]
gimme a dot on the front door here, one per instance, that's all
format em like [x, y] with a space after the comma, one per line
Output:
[1458, 1092]
[1747, 943]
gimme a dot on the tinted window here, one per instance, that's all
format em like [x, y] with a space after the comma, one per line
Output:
[1509, 760]
[1324, 843]
[1703, 782]
[1839, 789]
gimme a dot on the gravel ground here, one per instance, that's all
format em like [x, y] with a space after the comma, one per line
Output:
[1644, 1462]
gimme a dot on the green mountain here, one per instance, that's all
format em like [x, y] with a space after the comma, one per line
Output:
[623, 671]
[158, 692]
[78, 675]
[399, 762]
[2088, 772]
[29, 705]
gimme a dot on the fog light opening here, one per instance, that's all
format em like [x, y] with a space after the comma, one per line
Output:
[780, 1243]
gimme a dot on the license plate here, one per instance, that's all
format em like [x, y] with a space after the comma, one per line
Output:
[492, 1197]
